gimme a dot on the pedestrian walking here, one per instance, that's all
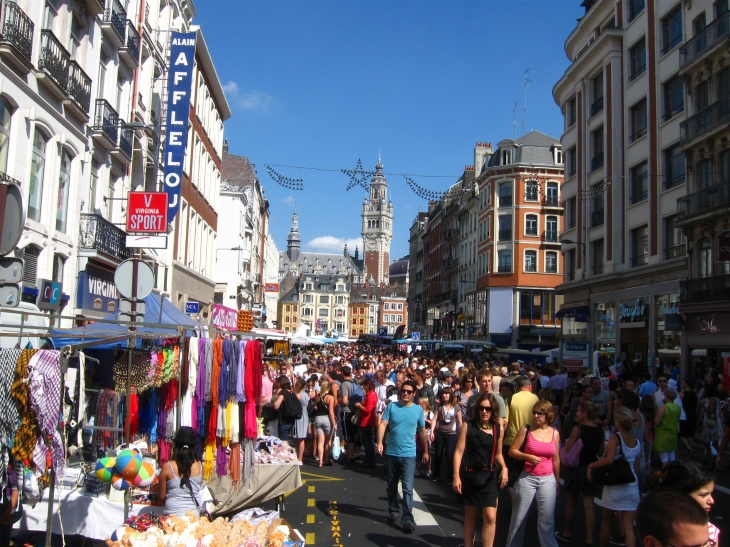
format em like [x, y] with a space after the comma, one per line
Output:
[540, 477]
[520, 415]
[445, 432]
[711, 422]
[477, 459]
[666, 428]
[687, 428]
[325, 423]
[405, 420]
[368, 421]
[299, 432]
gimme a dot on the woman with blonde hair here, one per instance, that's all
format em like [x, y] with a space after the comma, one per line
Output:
[620, 498]
[325, 423]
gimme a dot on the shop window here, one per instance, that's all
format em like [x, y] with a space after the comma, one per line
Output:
[537, 307]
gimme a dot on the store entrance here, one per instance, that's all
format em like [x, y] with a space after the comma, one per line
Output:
[635, 348]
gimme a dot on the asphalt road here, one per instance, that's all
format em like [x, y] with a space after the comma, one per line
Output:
[346, 506]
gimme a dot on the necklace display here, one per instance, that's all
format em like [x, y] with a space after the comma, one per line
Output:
[485, 427]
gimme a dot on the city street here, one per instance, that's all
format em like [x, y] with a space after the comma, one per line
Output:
[346, 506]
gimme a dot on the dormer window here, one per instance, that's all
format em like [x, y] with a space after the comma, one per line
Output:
[558, 155]
[506, 157]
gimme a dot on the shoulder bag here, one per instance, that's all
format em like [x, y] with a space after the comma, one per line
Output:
[619, 472]
[479, 476]
[571, 458]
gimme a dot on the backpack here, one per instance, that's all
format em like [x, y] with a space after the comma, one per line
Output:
[291, 409]
[357, 395]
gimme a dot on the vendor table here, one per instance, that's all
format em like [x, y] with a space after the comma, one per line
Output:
[267, 481]
[84, 515]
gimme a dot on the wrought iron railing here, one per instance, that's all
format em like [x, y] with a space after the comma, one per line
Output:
[106, 119]
[17, 28]
[504, 268]
[703, 201]
[446, 295]
[705, 289]
[676, 250]
[54, 58]
[597, 106]
[711, 35]
[551, 201]
[117, 16]
[132, 40]
[705, 120]
[597, 161]
[99, 234]
[7, 179]
[550, 236]
[79, 86]
[597, 218]
[126, 138]
[639, 260]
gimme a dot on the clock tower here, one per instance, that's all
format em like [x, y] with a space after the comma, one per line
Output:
[377, 229]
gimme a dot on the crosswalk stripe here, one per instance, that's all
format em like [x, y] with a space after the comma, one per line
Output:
[421, 514]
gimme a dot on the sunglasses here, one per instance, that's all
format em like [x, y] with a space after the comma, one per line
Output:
[407, 391]
[485, 408]
[536, 413]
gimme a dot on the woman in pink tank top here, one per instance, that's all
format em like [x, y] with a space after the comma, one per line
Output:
[538, 445]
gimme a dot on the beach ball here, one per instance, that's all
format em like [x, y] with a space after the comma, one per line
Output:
[119, 533]
[145, 477]
[104, 470]
[129, 463]
[119, 482]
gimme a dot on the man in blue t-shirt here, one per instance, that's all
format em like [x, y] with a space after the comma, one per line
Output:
[405, 420]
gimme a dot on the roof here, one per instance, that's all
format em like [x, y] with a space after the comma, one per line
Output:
[320, 263]
[533, 148]
[399, 267]
[237, 171]
[535, 138]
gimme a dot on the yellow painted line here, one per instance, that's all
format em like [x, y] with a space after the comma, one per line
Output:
[318, 477]
[310, 519]
[310, 489]
[310, 502]
[309, 538]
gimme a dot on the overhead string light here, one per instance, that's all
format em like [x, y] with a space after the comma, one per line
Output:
[595, 190]
[286, 182]
[421, 192]
[358, 176]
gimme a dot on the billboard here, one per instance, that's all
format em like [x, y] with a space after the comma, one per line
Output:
[576, 355]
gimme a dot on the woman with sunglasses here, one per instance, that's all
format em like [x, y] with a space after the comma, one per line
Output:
[540, 478]
[479, 447]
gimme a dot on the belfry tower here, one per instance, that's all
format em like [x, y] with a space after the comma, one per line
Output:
[377, 229]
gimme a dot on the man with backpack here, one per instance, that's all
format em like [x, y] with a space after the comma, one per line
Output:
[350, 393]
[289, 407]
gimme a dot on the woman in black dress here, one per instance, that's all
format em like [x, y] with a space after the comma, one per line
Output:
[479, 449]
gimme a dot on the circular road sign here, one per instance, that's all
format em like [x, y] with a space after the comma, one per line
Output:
[124, 275]
[13, 221]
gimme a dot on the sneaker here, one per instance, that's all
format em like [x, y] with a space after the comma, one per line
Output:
[392, 517]
[408, 527]
[617, 540]
[561, 537]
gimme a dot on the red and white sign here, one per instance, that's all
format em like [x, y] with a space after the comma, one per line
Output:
[147, 212]
[224, 318]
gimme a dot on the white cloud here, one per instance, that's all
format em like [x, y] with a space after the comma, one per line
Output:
[250, 100]
[331, 244]
[289, 200]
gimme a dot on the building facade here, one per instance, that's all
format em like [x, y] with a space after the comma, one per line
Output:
[623, 99]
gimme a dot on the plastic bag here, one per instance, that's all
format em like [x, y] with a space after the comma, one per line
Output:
[335, 448]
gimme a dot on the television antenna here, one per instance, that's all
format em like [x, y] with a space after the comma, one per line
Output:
[525, 84]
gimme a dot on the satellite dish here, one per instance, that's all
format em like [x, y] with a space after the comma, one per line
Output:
[14, 219]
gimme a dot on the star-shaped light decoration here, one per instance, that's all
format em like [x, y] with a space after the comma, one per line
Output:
[286, 182]
[358, 176]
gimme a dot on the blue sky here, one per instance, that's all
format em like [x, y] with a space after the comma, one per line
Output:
[321, 84]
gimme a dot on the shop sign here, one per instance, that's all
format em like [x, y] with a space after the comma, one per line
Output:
[147, 212]
[192, 307]
[96, 290]
[50, 295]
[673, 322]
[724, 253]
[271, 287]
[673, 308]
[179, 87]
[576, 355]
[224, 318]
[630, 314]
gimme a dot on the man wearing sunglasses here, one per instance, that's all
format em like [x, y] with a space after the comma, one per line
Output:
[405, 420]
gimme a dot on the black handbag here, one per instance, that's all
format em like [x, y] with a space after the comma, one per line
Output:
[619, 472]
[269, 413]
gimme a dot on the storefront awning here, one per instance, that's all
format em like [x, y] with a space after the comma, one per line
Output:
[580, 314]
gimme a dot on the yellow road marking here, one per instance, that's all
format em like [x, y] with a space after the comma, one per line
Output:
[310, 502]
[310, 519]
[309, 538]
[310, 489]
[318, 477]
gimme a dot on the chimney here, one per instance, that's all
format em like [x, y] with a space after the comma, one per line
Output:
[225, 147]
[482, 151]
[468, 176]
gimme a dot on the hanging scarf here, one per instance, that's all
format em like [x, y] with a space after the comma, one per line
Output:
[234, 463]
[221, 459]
[233, 370]
[240, 383]
[200, 389]
[208, 461]
[223, 377]
[8, 407]
[252, 387]
[45, 398]
[216, 370]
[193, 354]
[27, 433]
[208, 367]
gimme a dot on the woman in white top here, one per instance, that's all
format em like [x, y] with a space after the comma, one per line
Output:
[445, 432]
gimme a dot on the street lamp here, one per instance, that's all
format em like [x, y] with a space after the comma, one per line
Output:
[228, 249]
[571, 242]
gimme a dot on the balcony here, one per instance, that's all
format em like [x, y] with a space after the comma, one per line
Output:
[638, 195]
[53, 63]
[705, 289]
[106, 125]
[705, 41]
[597, 161]
[447, 295]
[449, 262]
[597, 218]
[711, 201]
[97, 234]
[597, 106]
[16, 37]
[448, 234]
[704, 121]
[551, 201]
[129, 52]
[94, 7]
[114, 24]
[551, 236]
[123, 152]
[79, 92]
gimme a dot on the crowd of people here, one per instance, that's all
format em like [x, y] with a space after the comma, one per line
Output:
[482, 425]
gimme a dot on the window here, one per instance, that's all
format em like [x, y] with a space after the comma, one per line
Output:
[720, 8]
[598, 204]
[551, 229]
[703, 175]
[323, 312]
[400, 307]
[505, 227]
[723, 83]
[571, 112]
[530, 225]
[306, 311]
[506, 157]
[672, 29]
[704, 247]
[673, 97]
[637, 59]
[340, 313]
[639, 246]
[307, 286]
[308, 298]
[400, 318]
[58, 263]
[551, 262]
[386, 306]
[64, 185]
[340, 287]
[572, 162]
[37, 168]
[340, 300]
[597, 85]
[505, 261]
[551, 195]
[530, 261]
[532, 190]
[505, 194]
[673, 167]
[571, 212]
[723, 166]
[639, 185]
[5, 111]
[288, 309]
[702, 101]
[597, 248]
[635, 8]
[597, 140]
[570, 265]
[537, 307]
[638, 120]
[673, 238]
